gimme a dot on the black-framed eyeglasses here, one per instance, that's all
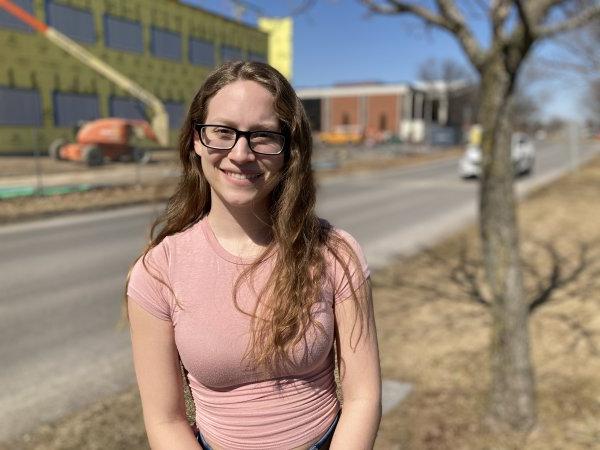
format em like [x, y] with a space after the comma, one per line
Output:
[220, 137]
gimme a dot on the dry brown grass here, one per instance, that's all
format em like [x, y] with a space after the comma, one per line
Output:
[114, 423]
[437, 339]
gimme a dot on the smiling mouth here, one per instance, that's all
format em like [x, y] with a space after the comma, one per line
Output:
[242, 176]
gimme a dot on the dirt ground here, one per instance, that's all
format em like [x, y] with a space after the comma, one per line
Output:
[433, 335]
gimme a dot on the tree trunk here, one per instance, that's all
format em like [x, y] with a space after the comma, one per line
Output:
[512, 402]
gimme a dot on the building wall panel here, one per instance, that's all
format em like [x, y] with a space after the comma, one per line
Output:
[70, 108]
[343, 112]
[76, 23]
[176, 111]
[123, 34]
[20, 107]
[166, 44]
[9, 21]
[382, 113]
[230, 53]
[127, 108]
[201, 52]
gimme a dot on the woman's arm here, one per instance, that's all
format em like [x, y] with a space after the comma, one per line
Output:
[159, 379]
[360, 376]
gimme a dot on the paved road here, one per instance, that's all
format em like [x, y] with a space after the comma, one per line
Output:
[398, 211]
[62, 281]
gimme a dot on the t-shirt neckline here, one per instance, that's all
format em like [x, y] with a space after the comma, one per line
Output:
[221, 251]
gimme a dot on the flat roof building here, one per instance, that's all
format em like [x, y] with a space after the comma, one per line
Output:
[377, 109]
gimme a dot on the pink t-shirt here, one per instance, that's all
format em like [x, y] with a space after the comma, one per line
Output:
[238, 407]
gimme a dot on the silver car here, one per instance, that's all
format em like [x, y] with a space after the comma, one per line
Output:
[522, 154]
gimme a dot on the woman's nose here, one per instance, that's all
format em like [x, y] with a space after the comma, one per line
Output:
[241, 151]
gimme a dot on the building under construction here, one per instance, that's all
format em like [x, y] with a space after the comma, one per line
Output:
[166, 47]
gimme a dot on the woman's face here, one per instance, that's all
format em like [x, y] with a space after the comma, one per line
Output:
[239, 177]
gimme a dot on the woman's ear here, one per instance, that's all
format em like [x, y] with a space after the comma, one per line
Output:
[197, 144]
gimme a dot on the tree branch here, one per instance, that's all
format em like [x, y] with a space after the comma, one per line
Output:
[580, 19]
[304, 6]
[567, 67]
[499, 11]
[483, 7]
[464, 274]
[397, 7]
[450, 20]
[557, 280]
[582, 334]
[540, 8]
[528, 25]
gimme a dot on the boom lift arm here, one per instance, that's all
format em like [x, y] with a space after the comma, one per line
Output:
[160, 118]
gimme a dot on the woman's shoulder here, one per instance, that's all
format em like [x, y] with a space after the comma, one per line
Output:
[342, 245]
[187, 238]
[347, 264]
[335, 233]
[174, 244]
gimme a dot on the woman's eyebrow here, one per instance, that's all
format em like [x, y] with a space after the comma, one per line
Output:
[260, 126]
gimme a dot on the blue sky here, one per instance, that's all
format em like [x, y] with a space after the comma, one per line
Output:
[337, 41]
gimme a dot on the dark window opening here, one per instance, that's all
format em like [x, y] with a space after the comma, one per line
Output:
[166, 44]
[20, 106]
[201, 52]
[72, 108]
[312, 106]
[76, 23]
[435, 109]
[9, 21]
[123, 34]
[383, 122]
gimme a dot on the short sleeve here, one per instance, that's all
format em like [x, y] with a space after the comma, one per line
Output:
[357, 271]
[149, 282]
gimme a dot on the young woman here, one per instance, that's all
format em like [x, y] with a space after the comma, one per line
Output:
[246, 287]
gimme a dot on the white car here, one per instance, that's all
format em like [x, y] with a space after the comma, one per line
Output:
[522, 154]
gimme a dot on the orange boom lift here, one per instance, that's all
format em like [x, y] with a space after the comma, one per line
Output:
[103, 138]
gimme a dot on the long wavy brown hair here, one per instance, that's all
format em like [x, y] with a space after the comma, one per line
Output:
[300, 239]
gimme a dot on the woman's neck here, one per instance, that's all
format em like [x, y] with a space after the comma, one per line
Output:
[242, 231]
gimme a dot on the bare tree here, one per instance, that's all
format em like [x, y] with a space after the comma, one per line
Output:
[447, 70]
[590, 51]
[593, 100]
[524, 111]
[523, 108]
[577, 60]
[516, 25]
[242, 6]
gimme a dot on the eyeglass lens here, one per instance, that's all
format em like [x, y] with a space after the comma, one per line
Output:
[224, 138]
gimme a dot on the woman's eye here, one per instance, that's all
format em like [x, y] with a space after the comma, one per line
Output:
[224, 132]
[265, 135]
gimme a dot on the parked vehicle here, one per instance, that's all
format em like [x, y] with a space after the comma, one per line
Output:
[522, 155]
[105, 139]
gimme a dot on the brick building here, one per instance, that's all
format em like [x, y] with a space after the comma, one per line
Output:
[381, 111]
